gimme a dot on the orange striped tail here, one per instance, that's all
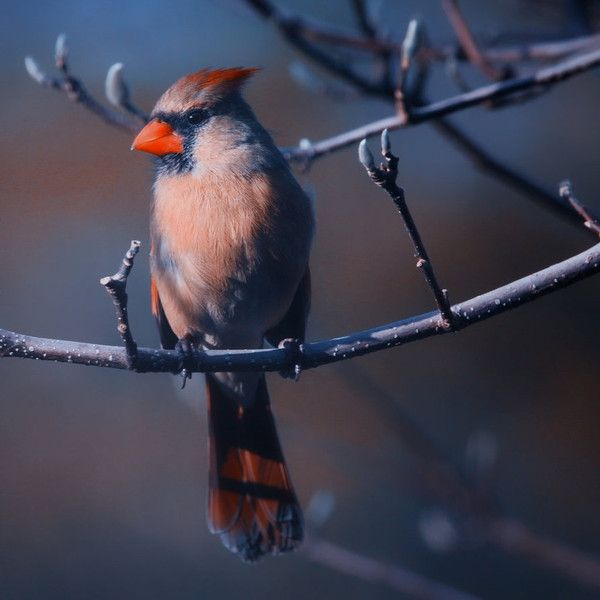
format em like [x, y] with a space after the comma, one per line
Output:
[252, 505]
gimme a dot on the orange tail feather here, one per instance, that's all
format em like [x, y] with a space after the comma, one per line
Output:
[252, 505]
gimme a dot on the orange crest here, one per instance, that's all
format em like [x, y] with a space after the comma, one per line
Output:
[203, 87]
[208, 78]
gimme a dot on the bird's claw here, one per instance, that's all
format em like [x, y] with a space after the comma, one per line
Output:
[186, 348]
[294, 347]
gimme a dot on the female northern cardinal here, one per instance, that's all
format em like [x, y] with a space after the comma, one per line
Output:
[231, 231]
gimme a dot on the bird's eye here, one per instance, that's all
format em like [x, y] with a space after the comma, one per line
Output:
[195, 116]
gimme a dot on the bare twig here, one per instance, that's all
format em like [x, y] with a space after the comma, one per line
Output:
[589, 220]
[75, 91]
[312, 355]
[117, 93]
[116, 286]
[544, 77]
[368, 569]
[385, 177]
[468, 43]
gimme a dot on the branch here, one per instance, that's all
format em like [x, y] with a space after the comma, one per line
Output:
[514, 179]
[544, 77]
[292, 27]
[371, 31]
[309, 356]
[116, 286]
[359, 566]
[446, 480]
[385, 177]
[518, 539]
[316, 31]
[76, 92]
[589, 220]
[468, 43]
[305, 153]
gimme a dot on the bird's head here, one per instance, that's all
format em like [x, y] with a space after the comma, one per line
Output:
[187, 111]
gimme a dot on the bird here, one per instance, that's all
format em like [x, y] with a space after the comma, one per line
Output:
[231, 231]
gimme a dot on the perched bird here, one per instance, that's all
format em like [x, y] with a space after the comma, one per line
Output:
[231, 231]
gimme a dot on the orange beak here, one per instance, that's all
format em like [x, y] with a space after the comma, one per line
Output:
[158, 138]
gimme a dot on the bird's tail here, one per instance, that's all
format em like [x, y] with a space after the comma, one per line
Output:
[252, 505]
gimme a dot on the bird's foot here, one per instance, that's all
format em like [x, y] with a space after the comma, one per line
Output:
[187, 351]
[294, 347]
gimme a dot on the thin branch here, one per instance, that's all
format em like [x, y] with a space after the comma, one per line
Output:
[368, 569]
[319, 32]
[75, 91]
[410, 45]
[385, 177]
[487, 163]
[589, 220]
[467, 313]
[116, 286]
[468, 43]
[117, 93]
[516, 538]
[305, 153]
[370, 31]
[445, 479]
[292, 28]
[544, 77]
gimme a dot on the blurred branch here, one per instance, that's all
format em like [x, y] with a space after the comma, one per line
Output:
[368, 569]
[293, 28]
[468, 43]
[308, 356]
[319, 32]
[475, 152]
[590, 221]
[76, 92]
[516, 538]
[371, 32]
[514, 179]
[544, 77]
[445, 480]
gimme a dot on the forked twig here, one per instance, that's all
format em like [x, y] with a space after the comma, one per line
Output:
[76, 92]
[116, 286]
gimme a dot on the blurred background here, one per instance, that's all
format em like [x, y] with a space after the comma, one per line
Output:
[103, 473]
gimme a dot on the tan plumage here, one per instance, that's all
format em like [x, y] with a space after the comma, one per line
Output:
[231, 231]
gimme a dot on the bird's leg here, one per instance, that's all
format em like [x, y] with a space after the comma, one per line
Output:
[186, 346]
[294, 348]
